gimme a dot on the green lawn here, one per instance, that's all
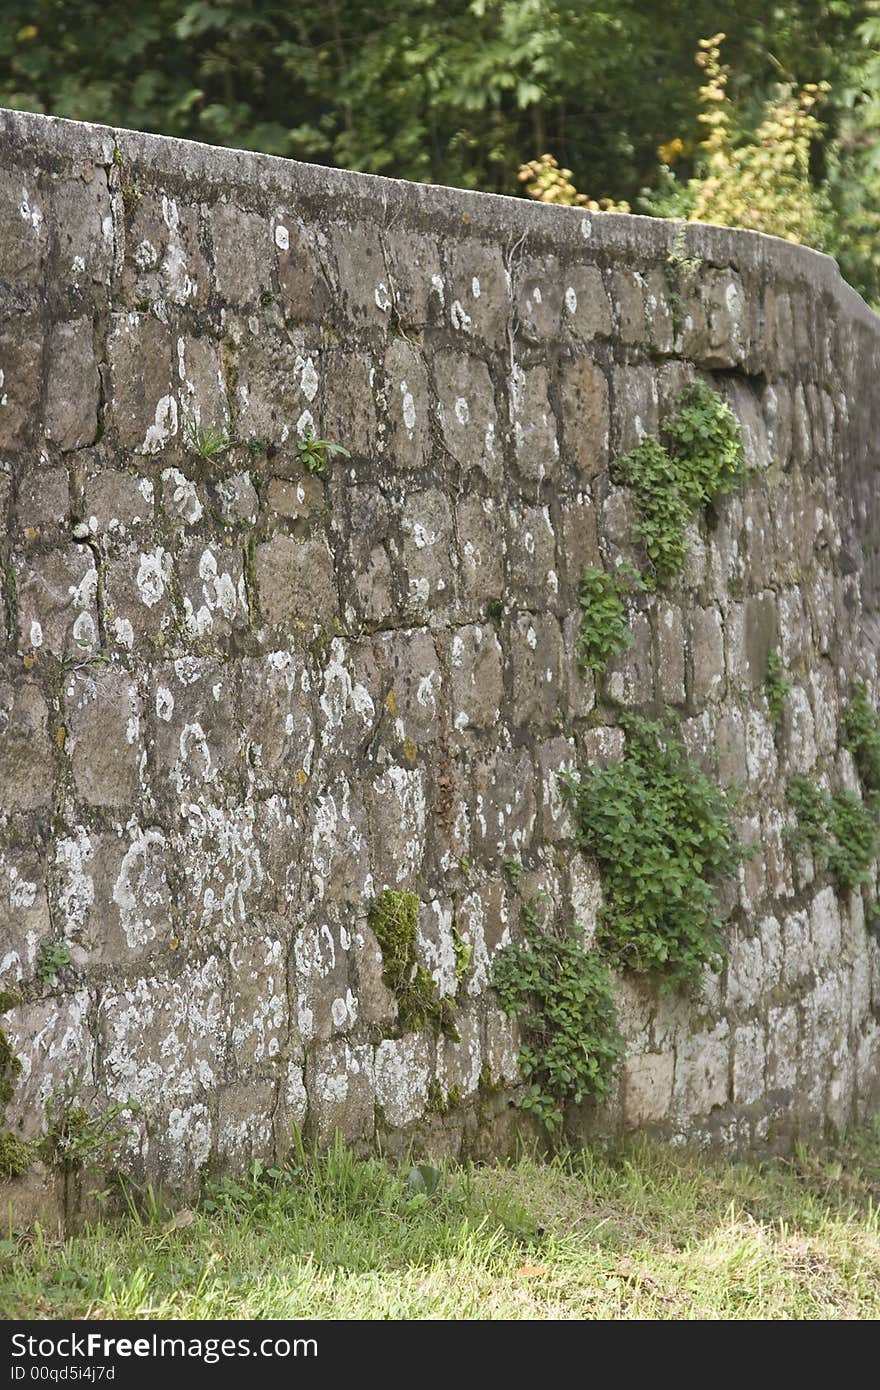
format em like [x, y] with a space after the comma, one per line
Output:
[633, 1232]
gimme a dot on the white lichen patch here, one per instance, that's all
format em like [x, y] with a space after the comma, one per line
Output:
[154, 571]
[163, 428]
[181, 496]
[140, 891]
[403, 1069]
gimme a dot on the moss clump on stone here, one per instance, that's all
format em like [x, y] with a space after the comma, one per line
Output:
[10, 1066]
[394, 918]
[16, 1156]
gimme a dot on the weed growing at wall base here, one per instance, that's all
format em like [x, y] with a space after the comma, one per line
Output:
[663, 837]
[563, 998]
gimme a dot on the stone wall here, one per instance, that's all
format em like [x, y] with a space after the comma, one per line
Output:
[239, 699]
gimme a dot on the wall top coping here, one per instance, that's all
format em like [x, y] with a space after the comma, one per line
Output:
[252, 179]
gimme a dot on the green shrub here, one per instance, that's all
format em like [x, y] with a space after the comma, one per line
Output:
[863, 738]
[839, 830]
[663, 836]
[603, 630]
[701, 458]
[664, 510]
[704, 437]
[563, 998]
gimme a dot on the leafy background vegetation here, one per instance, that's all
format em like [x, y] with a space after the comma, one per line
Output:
[776, 129]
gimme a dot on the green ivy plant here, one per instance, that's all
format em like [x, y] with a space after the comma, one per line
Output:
[662, 834]
[394, 918]
[862, 729]
[776, 687]
[563, 998]
[315, 454]
[838, 829]
[698, 458]
[603, 630]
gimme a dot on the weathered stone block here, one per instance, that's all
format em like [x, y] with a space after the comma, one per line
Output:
[706, 655]
[42, 503]
[213, 591]
[21, 347]
[117, 503]
[468, 419]
[244, 254]
[647, 1088]
[26, 772]
[72, 385]
[24, 231]
[536, 656]
[57, 602]
[164, 258]
[142, 411]
[482, 548]
[479, 298]
[105, 741]
[535, 445]
[278, 715]
[113, 895]
[504, 805]
[428, 552]
[585, 414]
[403, 1071]
[587, 310]
[296, 583]
[24, 903]
[340, 1083]
[195, 740]
[534, 577]
[408, 404]
[474, 661]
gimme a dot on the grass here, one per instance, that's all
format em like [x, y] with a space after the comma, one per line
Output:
[617, 1232]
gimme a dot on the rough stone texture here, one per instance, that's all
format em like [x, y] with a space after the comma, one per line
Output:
[237, 700]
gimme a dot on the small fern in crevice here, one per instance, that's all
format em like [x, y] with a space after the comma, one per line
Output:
[562, 996]
[776, 687]
[663, 836]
